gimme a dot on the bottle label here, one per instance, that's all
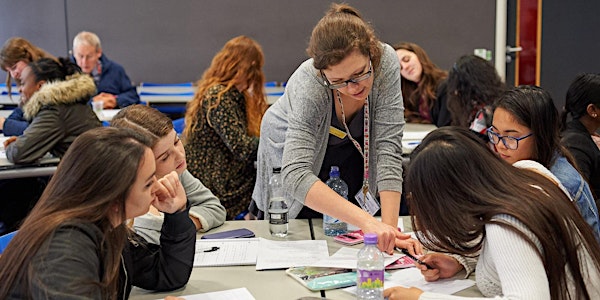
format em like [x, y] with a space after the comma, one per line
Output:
[370, 279]
[278, 219]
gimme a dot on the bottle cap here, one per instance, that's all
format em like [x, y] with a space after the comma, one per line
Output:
[334, 172]
[370, 239]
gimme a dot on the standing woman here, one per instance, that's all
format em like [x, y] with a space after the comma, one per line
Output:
[16, 53]
[341, 107]
[529, 240]
[421, 80]
[473, 86]
[583, 104]
[223, 123]
[75, 244]
[526, 127]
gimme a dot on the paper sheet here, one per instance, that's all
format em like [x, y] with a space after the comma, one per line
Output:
[285, 254]
[347, 258]
[238, 294]
[230, 252]
[412, 277]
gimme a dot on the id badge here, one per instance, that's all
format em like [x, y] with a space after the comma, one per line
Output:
[369, 205]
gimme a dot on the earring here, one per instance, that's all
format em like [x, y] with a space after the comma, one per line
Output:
[594, 115]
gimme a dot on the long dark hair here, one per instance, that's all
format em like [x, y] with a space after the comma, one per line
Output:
[473, 186]
[427, 87]
[583, 91]
[84, 189]
[472, 82]
[341, 31]
[534, 108]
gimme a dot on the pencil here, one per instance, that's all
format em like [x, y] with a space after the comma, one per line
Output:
[414, 258]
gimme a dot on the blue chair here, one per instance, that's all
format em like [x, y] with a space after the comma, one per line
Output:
[150, 84]
[179, 125]
[5, 239]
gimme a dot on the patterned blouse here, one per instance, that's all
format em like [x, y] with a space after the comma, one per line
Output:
[222, 156]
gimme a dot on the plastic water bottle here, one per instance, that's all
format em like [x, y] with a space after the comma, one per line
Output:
[370, 270]
[331, 225]
[278, 209]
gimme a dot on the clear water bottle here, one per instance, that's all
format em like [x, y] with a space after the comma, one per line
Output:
[331, 225]
[278, 209]
[370, 270]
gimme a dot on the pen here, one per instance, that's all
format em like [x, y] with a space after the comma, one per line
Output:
[414, 258]
[206, 250]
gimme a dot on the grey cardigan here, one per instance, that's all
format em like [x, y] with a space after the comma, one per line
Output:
[204, 205]
[295, 131]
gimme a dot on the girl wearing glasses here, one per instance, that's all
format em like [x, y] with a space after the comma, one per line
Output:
[526, 127]
[342, 107]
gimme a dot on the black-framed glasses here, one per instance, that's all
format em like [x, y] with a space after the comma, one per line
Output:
[510, 142]
[355, 80]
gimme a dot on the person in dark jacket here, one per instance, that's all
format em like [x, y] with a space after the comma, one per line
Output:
[114, 87]
[55, 96]
[75, 244]
[583, 104]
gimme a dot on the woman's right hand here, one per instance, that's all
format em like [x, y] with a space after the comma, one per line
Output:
[444, 266]
[386, 235]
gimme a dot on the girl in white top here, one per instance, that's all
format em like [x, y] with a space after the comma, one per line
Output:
[529, 239]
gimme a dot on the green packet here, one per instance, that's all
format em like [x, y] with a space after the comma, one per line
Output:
[321, 278]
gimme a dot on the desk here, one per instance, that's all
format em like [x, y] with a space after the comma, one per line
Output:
[270, 284]
[183, 95]
[413, 134]
[4, 113]
[44, 167]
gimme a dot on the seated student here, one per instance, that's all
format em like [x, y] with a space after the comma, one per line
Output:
[583, 104]
[533, 243]
[54, 96]
[75, 244]
[420, 81]
[526, 126]
[472, 87]
[206, 210]
[222, 123]
[16, 53]
[114, 87]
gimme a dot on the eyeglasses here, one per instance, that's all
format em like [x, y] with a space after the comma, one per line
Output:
[355, 80]
[509, 142]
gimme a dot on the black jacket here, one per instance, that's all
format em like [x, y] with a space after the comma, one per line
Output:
[586, 153]
[69, 265]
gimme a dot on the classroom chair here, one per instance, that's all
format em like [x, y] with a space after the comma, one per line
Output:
[179, 125]
[5, 239]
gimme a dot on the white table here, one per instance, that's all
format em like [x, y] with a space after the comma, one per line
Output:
[271, 284]
[46, 166]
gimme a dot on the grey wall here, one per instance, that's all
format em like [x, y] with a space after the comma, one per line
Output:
[174, 41]
[570, 44]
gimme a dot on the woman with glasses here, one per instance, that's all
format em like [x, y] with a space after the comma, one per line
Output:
[525, 126]
[342, 107]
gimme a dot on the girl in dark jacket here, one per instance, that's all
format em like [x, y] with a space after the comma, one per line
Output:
[75, 243]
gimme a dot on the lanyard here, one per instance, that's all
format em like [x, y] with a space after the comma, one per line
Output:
[364, 154]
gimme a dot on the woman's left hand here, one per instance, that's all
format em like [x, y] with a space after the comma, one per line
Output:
[402, 293]
[9, 140]
[170, 195]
